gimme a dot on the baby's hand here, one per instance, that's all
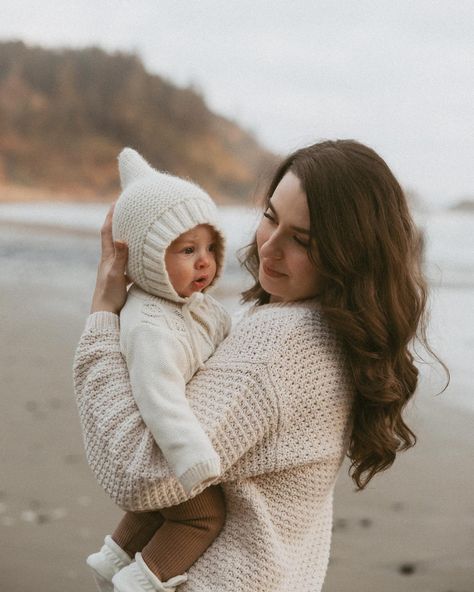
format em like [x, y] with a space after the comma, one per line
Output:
[110, 291]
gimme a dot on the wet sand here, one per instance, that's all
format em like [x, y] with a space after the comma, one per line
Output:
[412, 529]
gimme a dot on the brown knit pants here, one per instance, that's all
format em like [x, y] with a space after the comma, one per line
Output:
[172, 539]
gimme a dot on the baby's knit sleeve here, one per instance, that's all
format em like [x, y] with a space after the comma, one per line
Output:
[236, 407]
[157, 363]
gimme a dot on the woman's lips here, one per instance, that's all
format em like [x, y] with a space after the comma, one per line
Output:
[272, 272]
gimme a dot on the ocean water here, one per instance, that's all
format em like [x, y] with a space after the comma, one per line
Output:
[58, 245]
[238, 223]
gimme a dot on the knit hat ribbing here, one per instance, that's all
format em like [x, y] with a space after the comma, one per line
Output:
[153, 209]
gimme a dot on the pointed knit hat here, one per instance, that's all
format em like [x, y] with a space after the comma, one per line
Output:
[153, 209]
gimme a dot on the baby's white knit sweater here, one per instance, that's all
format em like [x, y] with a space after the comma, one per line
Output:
[164, 343]
[275, 401]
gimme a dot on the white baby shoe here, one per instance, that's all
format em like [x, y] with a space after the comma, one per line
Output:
[138, 577]
[106, 563]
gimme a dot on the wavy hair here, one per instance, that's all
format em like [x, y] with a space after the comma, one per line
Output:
[368, 253]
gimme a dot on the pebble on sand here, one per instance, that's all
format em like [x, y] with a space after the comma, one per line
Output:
[407, 569]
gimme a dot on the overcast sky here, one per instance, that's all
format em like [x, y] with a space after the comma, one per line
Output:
[395, 74]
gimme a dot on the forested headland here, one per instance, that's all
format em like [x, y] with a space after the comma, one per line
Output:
[66, 113]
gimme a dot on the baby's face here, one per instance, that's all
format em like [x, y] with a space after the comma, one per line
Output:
[191, 260]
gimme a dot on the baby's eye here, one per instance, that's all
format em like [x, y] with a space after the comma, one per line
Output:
[188, 250]
[212, 247]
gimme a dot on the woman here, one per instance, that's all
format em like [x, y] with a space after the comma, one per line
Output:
[318, 369]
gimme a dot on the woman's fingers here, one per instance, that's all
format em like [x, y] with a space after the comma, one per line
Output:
[120, 259]
[111, 285]
[107, 243]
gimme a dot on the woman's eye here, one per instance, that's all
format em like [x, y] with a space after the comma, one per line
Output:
[268, 216]
[301, 242]
[212, 248]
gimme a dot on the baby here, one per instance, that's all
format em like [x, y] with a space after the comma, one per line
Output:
[168, 328]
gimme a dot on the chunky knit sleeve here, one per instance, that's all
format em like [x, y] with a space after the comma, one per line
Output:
[234, 402]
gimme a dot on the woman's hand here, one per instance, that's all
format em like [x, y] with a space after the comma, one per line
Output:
[111, 284]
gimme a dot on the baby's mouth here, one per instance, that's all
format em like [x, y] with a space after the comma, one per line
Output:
[200, 282]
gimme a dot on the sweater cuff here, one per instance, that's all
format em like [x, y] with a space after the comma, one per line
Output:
[103, 321]
[200, 474]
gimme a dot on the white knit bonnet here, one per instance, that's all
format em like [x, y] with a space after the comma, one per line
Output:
[153, 209]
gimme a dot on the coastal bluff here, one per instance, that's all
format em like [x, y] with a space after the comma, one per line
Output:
[65, 114]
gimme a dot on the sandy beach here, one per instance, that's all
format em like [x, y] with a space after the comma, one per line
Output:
[412, 530]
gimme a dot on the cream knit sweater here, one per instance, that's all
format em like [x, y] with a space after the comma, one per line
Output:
[275, 401]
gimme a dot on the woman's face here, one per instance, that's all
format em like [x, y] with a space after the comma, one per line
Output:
[286, 272]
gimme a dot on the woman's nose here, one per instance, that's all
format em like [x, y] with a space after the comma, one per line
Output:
[271, 248]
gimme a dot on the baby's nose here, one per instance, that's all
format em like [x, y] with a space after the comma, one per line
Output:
[204, 260]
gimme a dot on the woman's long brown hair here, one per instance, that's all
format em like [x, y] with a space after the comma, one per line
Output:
[368, 253]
